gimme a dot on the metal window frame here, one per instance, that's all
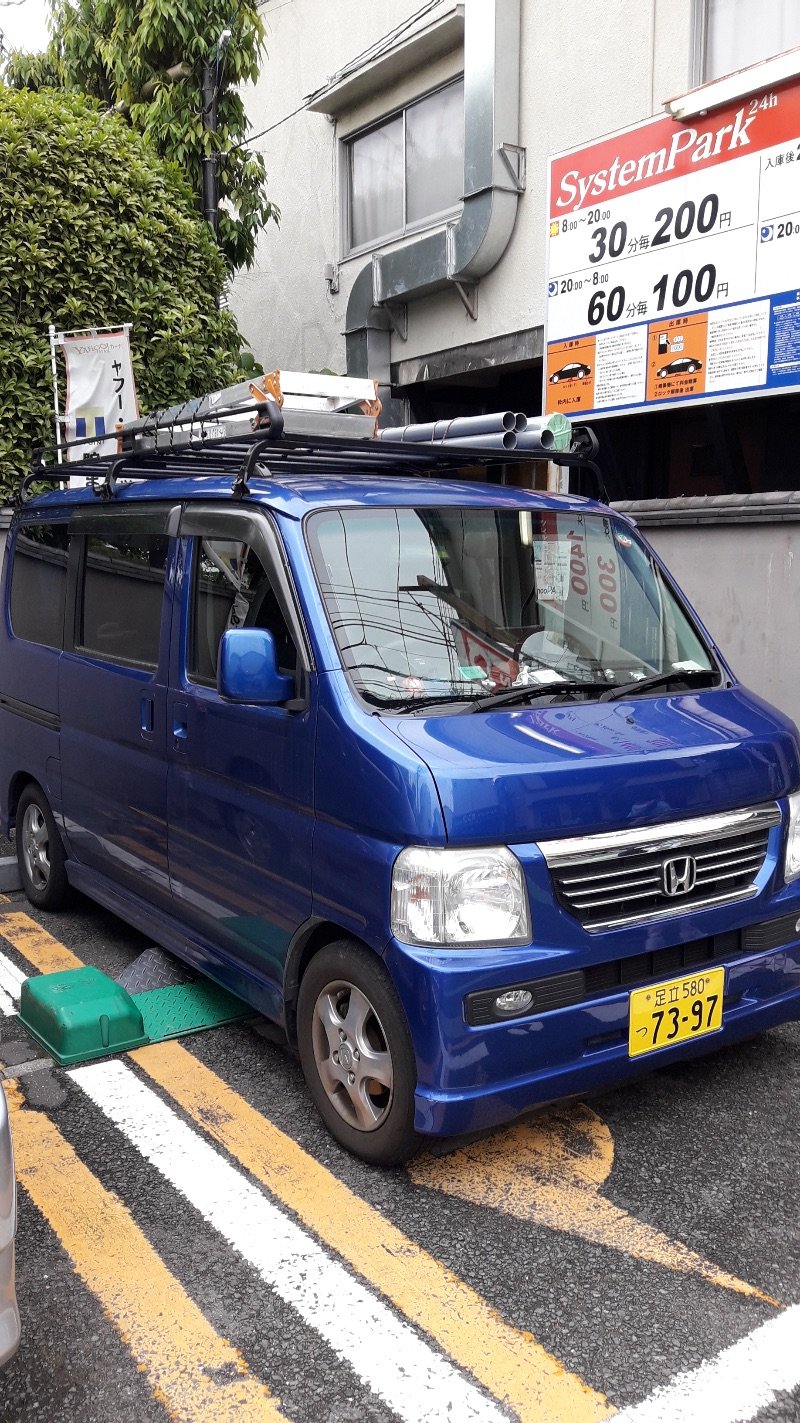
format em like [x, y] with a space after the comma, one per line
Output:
[698, 43]
[699, 47]
[408, 229]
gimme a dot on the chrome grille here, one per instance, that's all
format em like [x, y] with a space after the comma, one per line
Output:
[615, 879]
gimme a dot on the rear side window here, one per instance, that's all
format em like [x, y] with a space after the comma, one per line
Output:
[38, 583]
[123, 594]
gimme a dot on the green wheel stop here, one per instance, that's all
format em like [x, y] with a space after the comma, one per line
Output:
[82, 1014]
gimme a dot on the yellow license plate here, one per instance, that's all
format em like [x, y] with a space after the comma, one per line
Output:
[675, 1012]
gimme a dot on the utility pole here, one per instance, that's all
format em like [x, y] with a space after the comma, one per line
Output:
[210, 82]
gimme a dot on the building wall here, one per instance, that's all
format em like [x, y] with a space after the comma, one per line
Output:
[587, 67]
[742, 580]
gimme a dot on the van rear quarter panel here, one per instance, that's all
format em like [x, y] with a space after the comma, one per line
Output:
[29, 710]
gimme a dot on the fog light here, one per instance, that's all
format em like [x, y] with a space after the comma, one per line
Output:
[516, 1000]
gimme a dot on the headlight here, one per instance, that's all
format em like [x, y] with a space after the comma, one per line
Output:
[791, 863]
[459, 897]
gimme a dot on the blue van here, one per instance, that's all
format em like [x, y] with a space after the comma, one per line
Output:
[445, 777]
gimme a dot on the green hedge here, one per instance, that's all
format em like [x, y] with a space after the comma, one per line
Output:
[95, 229]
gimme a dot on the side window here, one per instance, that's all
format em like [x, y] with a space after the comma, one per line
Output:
[232, 590]
[38, 583]
[123, 594]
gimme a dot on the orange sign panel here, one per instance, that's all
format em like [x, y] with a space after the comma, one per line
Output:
[676, 357]
[570, 376]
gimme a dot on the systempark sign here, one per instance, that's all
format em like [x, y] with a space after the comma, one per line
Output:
[674, 262]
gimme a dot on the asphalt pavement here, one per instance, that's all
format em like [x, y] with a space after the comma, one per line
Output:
[193, 1245]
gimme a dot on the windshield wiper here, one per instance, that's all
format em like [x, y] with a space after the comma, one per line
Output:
[533, 689]
[661, 679]
[412, 704]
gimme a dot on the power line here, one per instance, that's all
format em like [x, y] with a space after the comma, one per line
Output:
[251, 138]
[377, 48]
[374, 50]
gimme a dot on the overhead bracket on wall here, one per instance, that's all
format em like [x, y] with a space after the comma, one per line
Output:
[397, 312]
[515, 159]
[468, 291]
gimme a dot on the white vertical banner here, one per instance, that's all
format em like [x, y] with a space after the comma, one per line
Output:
[101, 393]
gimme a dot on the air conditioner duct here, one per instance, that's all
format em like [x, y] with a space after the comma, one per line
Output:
[465, 249]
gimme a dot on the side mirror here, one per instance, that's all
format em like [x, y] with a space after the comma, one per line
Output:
[248, 668]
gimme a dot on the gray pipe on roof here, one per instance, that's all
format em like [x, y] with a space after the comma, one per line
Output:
[472, 244]
[502, 422]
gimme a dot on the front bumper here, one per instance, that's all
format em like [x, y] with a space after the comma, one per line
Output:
[472, 1078]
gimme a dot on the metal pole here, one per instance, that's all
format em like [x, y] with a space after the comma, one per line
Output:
[57, 412]
[208, 91]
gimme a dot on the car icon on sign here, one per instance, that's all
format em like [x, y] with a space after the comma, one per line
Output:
[576, 370]
[683, 366]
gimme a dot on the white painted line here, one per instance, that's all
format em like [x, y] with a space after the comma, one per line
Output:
[387, 1354]
[11, 977]
[733, 1387]
[7, 1008]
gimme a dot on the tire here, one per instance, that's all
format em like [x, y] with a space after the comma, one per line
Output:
[40, 853]
[347, 1003]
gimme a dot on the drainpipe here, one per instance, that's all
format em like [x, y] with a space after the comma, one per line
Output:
[459, 254]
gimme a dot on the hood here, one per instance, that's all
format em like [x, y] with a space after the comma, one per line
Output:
[533, 773]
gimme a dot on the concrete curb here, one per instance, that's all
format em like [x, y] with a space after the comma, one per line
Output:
[9, 874]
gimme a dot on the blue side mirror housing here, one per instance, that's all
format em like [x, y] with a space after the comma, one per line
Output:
[248, 668]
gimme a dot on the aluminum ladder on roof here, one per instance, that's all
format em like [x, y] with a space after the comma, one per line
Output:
[311, 404]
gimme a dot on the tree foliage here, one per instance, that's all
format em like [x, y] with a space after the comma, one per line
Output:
[120, 52]
[96, 230]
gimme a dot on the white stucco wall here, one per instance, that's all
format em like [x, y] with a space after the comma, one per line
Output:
[587, 67]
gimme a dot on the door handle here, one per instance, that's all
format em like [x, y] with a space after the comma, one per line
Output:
[146, 715]
[180, 730]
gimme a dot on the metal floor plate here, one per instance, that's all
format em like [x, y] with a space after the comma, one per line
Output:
[154, 968]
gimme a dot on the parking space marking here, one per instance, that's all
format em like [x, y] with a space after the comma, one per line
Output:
[550, 1171]
[11, 978]
[510, 1363]
[196, 1374]
[35, 944]
[733, 1387]
[554, 1181]
[507, 1361]
[387, 1354]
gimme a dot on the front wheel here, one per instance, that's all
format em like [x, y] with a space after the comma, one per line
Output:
[356, 1054]
[40, 853]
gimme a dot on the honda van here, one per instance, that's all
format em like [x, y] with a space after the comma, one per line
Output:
[442, 775]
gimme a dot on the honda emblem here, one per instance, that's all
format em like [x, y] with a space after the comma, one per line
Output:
[679, 876]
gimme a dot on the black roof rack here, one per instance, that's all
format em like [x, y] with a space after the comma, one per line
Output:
[296, 454]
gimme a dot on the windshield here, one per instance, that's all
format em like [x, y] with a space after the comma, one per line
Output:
[449, 604]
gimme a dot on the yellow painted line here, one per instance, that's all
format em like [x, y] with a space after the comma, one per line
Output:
[196, 1374]
[549, 1171]
[508, 1362]
[35, 944]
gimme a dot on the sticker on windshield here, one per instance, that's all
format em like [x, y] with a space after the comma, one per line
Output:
[551, 567]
